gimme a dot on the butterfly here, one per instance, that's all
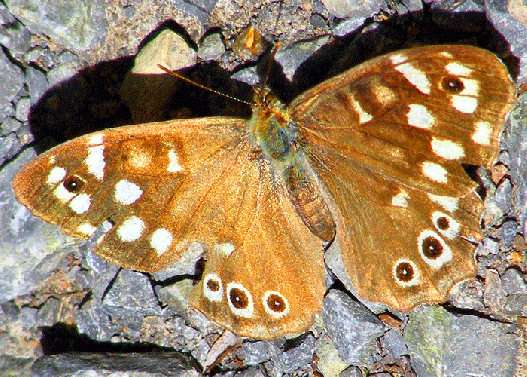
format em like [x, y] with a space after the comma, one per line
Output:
[372, 159]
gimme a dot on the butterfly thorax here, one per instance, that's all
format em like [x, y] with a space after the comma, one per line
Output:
[275, 134]
[269, 126]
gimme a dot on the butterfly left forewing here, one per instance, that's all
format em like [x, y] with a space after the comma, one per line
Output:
[388, 140]
[166, 185]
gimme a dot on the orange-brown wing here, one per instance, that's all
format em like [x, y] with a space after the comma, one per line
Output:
[165, 185]
[388, 140]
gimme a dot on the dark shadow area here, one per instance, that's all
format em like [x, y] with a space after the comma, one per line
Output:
[62, 338]
[90, 101]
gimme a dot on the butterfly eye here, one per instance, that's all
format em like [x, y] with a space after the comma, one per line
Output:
[74, 184]
[452, 84]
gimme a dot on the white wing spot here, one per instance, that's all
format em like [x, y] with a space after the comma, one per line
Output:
[95, 161]
[161, 240]
[401, 199]
[364, 117]
[86, 229]
[457, 69]
[224, 248]
[416, 77]
[62, 194]
[447, 149]
[96, 139]
[447, 55]
[419, 117]
[446, 253]
[80, 203]
[131, 229]
[470, 87]
[416, 278]
[465, 105]
[56, 175]
[212, 287]
[398, 58]
[434, 171]
[127, 192]
[173, 164]
[482, 134]
[449, 203]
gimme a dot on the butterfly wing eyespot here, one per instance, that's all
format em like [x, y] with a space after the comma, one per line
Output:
[74, 184]
[452, 84]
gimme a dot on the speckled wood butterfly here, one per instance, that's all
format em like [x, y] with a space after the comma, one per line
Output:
[371, 159]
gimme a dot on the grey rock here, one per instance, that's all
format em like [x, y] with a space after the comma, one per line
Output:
[198, 8]
[29, 248]
[80, 25]
[211, 47]
[507, 25]
[513, 282]
[259, 351]
[129, 11]
[63, 73]
[98, 364]
[41, 56]
[468, 294]
[11, 80]
[509, 230]
[7, 111]
[16, 38]
[395, 344]
[516, 305]
[22, 109]
[251, 372]
[6, 17]
[292, 57]
[131, 291]
[37, 84]
[352, 8]
[443, 344]
[49, 312]
[352, 371]
[503, 195]
[10, 125]
[28, 317]
[353, 329]
[298, 356]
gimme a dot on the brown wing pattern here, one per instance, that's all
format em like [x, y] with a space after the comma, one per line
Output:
[388, 140]
[166, 185]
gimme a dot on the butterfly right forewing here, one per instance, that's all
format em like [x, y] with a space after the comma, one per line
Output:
[388, 139]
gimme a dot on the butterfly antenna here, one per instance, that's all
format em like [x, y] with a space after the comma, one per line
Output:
[271, 58]
[177, 75]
